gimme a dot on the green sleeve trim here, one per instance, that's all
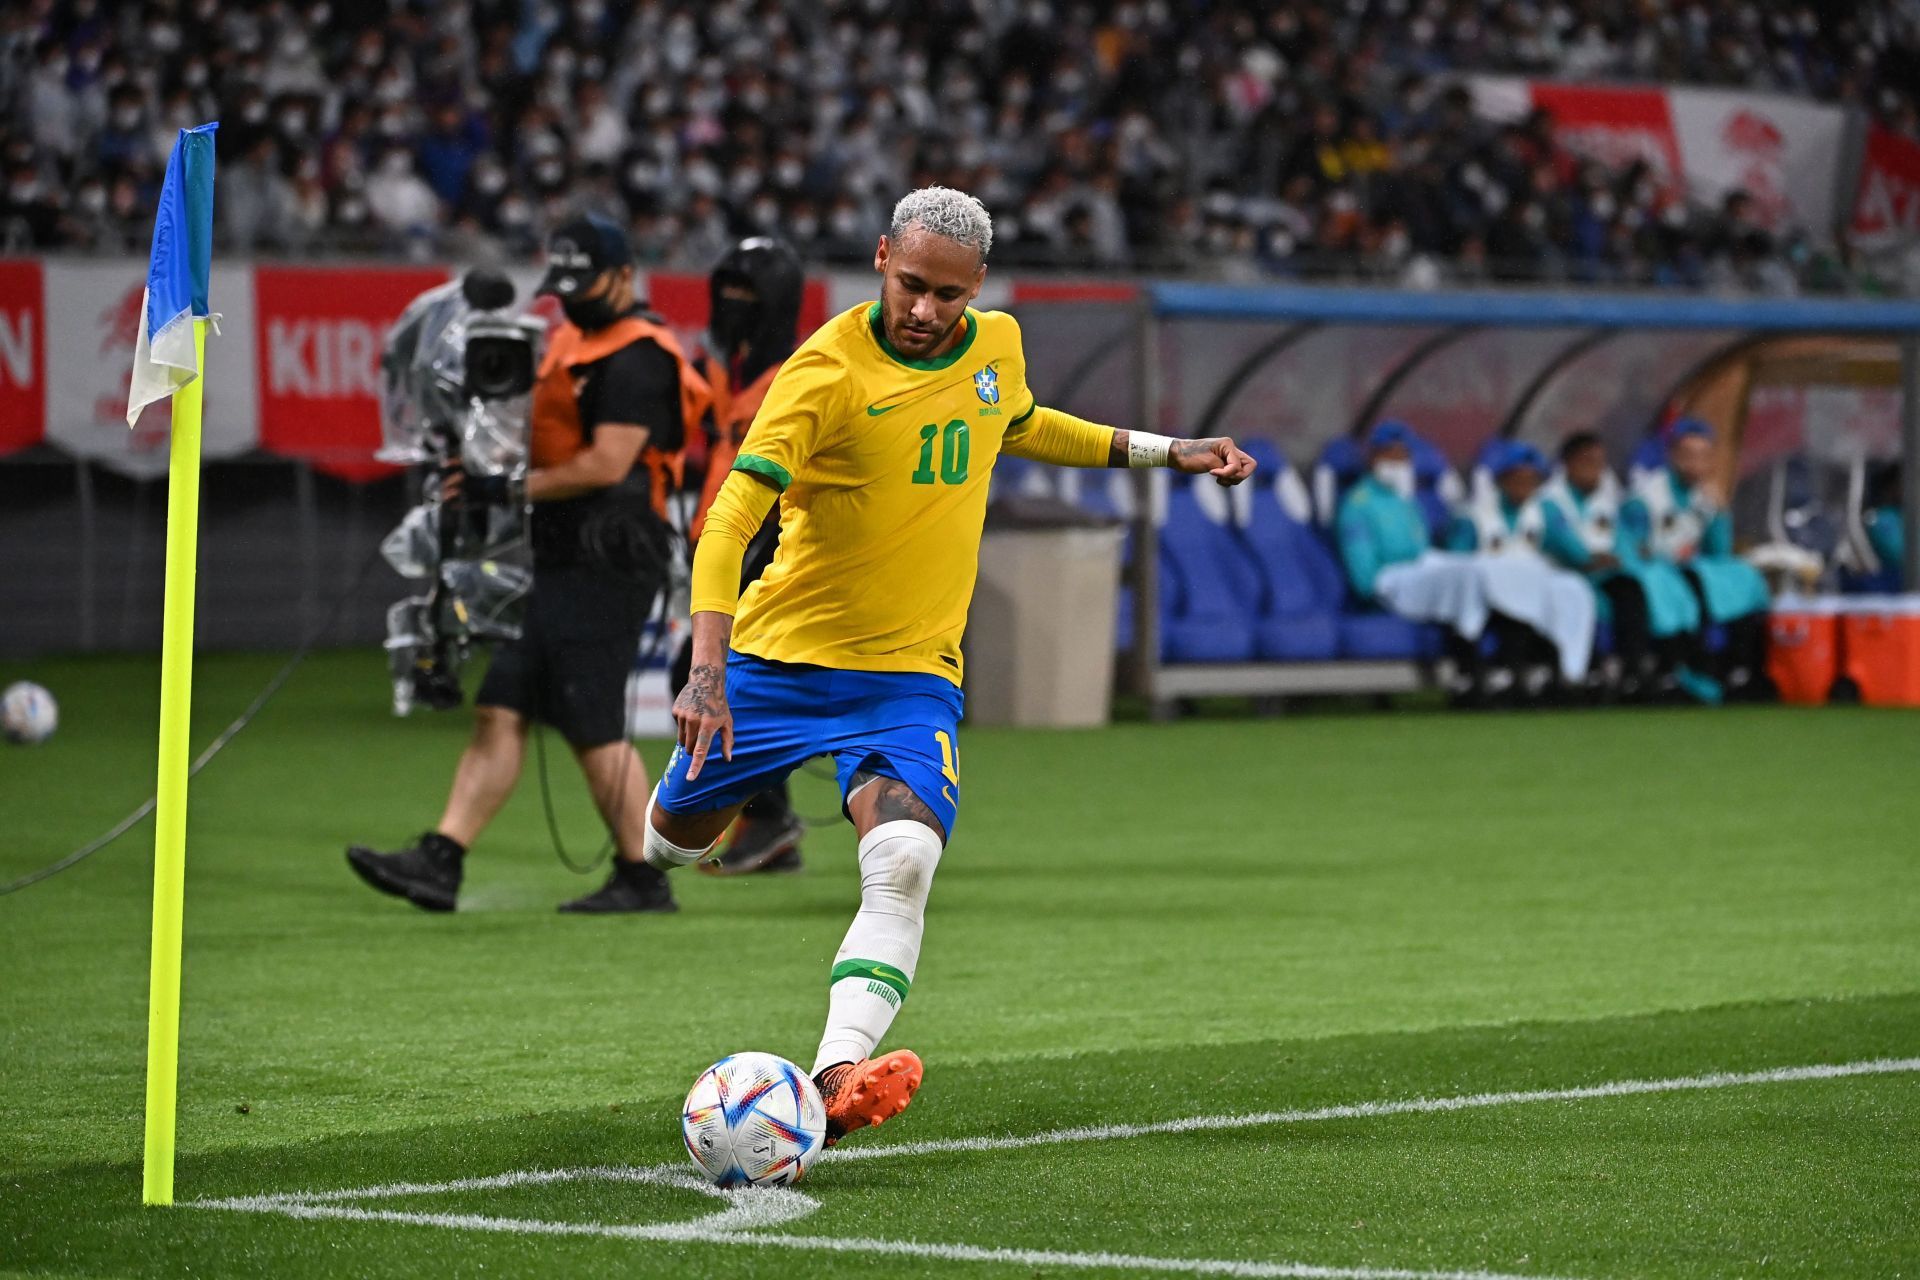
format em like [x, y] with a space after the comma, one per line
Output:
[1031, 410]
[761, 467]
[874, 971]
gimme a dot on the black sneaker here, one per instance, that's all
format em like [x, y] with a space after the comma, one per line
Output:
[633, 886]
[760, 844]
[425, 873]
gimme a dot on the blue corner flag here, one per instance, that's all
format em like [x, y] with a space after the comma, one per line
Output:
[164, 359]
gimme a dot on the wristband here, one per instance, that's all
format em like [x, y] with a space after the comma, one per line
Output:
[1144, 449]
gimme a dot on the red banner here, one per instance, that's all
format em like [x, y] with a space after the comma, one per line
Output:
[1887, 206]
[23, 356]
[1614, 125]
[317, 338]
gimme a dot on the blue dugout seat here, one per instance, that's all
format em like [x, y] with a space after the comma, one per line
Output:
[1308, 612]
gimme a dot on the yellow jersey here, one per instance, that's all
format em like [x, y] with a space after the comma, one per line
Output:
[882, 465]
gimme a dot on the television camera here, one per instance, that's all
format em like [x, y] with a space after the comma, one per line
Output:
[457, 374]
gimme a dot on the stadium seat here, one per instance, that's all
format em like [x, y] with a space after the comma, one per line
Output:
[1386, 636]
[1649, 455]
[1096, 492]
[1215, 584]
[1297, 619]
[1019, 477]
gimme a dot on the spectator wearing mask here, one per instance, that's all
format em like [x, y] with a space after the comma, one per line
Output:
[1386, 550]
[1678, 514]
[1654, 615]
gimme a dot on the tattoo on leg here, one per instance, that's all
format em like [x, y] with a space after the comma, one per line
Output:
[894, 801]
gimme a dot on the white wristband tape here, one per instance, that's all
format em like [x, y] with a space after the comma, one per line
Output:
[1144, 449]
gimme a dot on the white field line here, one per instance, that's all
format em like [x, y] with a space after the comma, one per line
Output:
[1364, 1110]
[701, 1233]
[748, 1213]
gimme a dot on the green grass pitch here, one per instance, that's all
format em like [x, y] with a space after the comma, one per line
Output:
[1219, 918]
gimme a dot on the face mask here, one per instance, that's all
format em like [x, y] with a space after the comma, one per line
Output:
[732, 323]
[589, 313]
[1396, 474]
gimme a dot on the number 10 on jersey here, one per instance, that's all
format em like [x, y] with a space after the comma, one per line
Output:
[955, 448]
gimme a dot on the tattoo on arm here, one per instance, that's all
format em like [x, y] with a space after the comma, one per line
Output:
[1117, 451]
[1183, 449]
[894, 801]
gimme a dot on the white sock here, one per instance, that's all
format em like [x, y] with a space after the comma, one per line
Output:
[874, 967]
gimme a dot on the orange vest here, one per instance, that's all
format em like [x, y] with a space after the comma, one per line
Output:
[557, 433]
[732, 415]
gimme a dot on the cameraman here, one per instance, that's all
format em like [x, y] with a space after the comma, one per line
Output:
[612, 406]
[754, 293]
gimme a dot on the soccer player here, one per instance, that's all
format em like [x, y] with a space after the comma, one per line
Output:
[877, 440]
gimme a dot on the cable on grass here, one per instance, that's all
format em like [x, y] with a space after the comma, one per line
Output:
[599, 859]
[213, 748]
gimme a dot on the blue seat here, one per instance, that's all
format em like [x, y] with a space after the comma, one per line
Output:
[1296, 620]
[1313, 570]
[1095, 495]
[1387, 636]
[1210, 584]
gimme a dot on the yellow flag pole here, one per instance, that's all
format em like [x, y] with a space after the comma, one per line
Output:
[170, 808]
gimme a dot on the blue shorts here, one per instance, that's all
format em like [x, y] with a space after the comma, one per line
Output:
[898, 724]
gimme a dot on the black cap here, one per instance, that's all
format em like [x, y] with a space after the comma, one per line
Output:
[579, 250]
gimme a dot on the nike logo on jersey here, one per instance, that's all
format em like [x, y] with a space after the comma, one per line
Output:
[874, 410]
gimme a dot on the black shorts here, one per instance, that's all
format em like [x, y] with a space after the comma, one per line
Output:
[577, 647]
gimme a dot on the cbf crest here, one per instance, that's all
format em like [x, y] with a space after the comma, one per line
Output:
[986, 385]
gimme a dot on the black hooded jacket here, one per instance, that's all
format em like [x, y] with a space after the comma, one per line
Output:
[772, 270]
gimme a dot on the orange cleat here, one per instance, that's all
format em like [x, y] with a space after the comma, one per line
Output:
[867, 1092]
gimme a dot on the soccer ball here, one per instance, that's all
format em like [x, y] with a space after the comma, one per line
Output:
[754, 1120]
[28, 713]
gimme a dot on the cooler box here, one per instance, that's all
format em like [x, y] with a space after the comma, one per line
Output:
[1880, 637]
[1803, 648]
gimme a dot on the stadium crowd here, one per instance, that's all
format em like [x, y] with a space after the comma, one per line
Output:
[1311, 137]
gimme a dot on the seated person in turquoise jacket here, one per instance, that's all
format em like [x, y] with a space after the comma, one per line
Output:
[1678, 515]
[1886, 524]
[1384, 547]
[1654, 615]
[1379, 523]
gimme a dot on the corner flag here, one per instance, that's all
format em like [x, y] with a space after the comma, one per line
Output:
[164, 354]
[169, 354]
